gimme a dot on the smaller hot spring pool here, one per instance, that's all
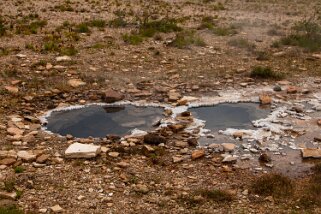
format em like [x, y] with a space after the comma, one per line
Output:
[230, 115]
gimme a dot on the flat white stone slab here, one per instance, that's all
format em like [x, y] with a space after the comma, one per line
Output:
[78, 150]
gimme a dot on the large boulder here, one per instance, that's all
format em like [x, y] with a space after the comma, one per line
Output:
[154, 139]
[111, 96]
[311, 153]
[78, 150]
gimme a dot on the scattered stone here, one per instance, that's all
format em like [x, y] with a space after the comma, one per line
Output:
[316, 56]
[177, 159]
[311, 153]
[148, 148]
[265, 158]
[42, 158]
[181, 144]
[292, 90]
[298, 109]
[7, 161]
[198, 154]
[15, 131]
[12, 89]
[277, 88]
[25, 155]
[10, 196]
[154, 139]
[317, 138]
[111, 96]
[78, 150]
[229, 159]
[63, 58]
[228, 147]
[57, 209]
[173, 96]
[265, 99]
[76, 83]
[113, 154]
[192, 142]
[141, 188]
[238, 134]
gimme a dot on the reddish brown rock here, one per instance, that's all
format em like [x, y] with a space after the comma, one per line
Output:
[265, 99]
[198, 154]
[292, 90]
[111, 96]
[7, 161]
[319, 122]
[42, 158]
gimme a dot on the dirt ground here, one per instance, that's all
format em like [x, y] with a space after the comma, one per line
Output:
[107, 48]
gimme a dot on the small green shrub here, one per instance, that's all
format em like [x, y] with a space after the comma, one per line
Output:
[82, 28]
[276, 185]
[242, 43]
[9, 185]
[133, 39]
[19, 169]
[3, 27]
[307, 35]
[99, 23]
[217, 195]
[185, 39]
[265, 73]
[312, 193]
[69, 51]
[10, 210]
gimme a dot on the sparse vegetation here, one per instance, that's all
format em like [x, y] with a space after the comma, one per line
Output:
[217, 195]
[10, 210]
[187, 38]
[276, 185]
[306, 34]
[19, 169]
[3, 28]
[242, 43]
[265, 73]
[150, 28]
[312, 193]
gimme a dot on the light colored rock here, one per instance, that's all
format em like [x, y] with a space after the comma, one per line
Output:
[113, 154]
[6, 195]
[78, 150]
[238, 134]
[12, 89]
[63, 58]
[25, 155]
[311, 153]
[317, 56]
[228, 147]
[181, 144]
[229, 159]
[76, 83]
[57, 209]
[141, 188]
[15, 131]
[177, 159]
[173, 95]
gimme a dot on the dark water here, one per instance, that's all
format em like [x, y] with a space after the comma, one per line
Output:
[236, 115]
[99, 121]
